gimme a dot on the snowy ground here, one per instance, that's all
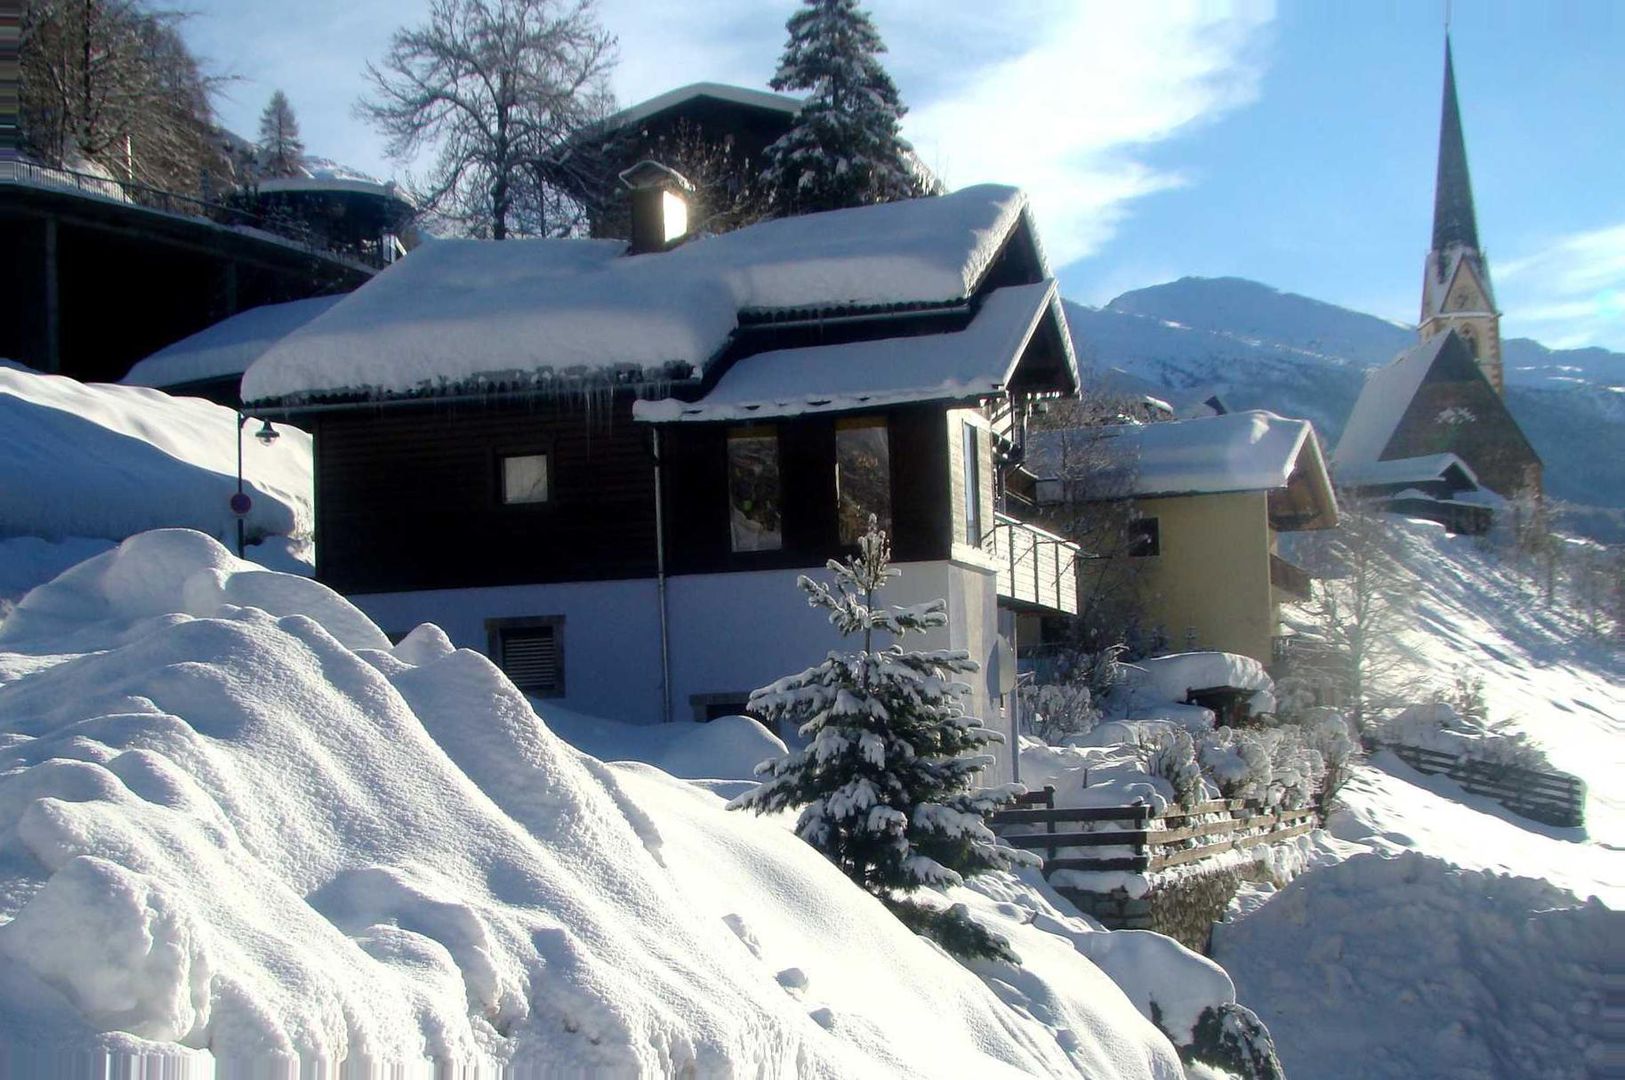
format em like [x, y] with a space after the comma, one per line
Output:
[1442, 935]
[236, 824]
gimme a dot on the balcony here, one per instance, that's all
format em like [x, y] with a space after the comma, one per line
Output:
[1290, 579]
[1037, 569]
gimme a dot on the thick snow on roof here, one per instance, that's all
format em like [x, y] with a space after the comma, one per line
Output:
[1386, 395]
[738, 95]
[526, 312]
[228, 347]
[1245, 451]
[1409, 470]
[969, 363]
[92, 460]
[237, 818]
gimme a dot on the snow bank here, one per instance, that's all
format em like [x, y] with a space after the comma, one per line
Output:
[1163, 679]
[98, 461]
[238, 822]
[727, 748]
[473, 312]
[1408, 966]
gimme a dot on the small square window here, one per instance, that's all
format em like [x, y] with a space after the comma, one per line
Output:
[530, 651]
[524, 478]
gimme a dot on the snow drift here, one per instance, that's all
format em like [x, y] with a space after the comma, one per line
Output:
[101, 461]
[234, 820]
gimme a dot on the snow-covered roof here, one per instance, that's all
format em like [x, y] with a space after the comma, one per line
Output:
[1244, 451]
[1386, 395]
[1411, 470]
[974, 362]
[737, 95]
[479, 313]
[228, 347]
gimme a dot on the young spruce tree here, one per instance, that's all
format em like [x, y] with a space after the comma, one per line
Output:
[844, 149]
[281, 151]
[887, 781]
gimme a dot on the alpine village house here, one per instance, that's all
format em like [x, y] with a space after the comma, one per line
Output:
[605, 464]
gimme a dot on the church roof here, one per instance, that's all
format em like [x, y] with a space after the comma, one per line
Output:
[1454, 224]
[1386, 395]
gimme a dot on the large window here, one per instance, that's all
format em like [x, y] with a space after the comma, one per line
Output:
[753, 489]
[524, 478]
[530, 651]
[973, 484]
[862, 476]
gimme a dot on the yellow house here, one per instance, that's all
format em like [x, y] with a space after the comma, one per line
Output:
[1208, 498]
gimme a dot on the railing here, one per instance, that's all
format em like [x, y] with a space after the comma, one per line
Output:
[1551, 798]
[1289, 578]
[169, 202]
[1035, 566]
[1146, 843]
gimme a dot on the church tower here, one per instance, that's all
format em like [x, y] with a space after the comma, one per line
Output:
[1456, 291]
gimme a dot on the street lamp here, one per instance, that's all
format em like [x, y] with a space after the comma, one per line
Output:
[241, 504]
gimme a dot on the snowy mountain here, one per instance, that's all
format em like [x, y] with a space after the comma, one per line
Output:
[1258, 347]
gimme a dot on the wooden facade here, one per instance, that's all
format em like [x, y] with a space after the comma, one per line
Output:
[409, 497]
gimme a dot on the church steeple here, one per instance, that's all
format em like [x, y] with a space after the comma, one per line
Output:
[1454, 224]
[1456, 291]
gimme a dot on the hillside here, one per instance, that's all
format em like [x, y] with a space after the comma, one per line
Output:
[1258, 347]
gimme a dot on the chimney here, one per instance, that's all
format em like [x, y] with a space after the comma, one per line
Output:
[659, 206]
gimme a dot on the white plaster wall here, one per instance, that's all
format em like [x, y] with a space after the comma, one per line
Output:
[730, 633]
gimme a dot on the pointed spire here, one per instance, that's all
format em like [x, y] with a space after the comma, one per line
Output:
[1454, 224]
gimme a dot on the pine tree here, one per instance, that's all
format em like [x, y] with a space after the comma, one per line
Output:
[281, 152]
[887, 779]
[844, 149]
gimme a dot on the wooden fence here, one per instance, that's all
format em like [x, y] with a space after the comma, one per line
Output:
[1134, 839]
[1551, 798]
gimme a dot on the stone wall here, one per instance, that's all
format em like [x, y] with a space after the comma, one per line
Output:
[1183, 906]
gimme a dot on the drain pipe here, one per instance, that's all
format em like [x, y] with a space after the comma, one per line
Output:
[660, 587]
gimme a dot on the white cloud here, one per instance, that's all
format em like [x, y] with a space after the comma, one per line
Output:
[1570, 293]
[1068, 114]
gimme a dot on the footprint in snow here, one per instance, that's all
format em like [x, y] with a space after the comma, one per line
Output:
[794, 981]
[736, 923]
[824, 1017]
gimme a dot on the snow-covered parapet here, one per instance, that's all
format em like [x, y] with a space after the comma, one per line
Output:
[228, 347]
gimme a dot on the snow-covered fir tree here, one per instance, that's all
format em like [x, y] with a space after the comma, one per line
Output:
[281, 151]
[888, 780]
[845, 149]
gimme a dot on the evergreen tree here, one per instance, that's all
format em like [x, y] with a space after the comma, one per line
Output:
[844, 149]
[887, 780]
[281, 152]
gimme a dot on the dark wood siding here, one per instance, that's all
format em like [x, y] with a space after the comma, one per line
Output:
[408, 497]
[697, 493]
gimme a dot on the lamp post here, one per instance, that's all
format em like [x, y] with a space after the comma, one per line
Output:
[241, 504]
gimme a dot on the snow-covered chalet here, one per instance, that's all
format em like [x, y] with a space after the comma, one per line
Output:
[605, 464]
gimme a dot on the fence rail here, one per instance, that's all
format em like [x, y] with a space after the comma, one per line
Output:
[1149, 842]
[1551, 798]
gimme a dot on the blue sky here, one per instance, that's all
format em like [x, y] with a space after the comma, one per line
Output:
[1293, 144]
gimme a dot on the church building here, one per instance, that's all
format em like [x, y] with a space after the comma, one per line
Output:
[1446, 395]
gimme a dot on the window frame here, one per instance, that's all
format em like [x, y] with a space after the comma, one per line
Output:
[1145, 533]
[499, 475]
[873, 421]
[970, 450]
[754, 431]
[495, 647]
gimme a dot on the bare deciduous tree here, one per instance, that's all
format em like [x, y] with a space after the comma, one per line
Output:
[496, 86]
[112, 82]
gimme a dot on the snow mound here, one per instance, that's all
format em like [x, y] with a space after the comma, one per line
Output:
[100, 461]
[238, 822]
[1409, 966]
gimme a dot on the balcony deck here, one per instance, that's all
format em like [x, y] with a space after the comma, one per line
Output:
[1037, 569]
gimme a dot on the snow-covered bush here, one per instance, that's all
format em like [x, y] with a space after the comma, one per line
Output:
[887, 780]
[1327, 732]
[1238, 762]
[1172, 756]
[1052, 711]
[1438, 726]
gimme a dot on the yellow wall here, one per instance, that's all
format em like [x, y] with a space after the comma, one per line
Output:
[1213, 573]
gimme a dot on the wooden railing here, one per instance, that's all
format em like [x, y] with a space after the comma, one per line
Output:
[1551, 798]
[1035, 566]
[1148, 843]
[1289, 578]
